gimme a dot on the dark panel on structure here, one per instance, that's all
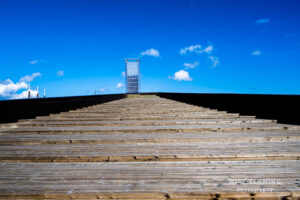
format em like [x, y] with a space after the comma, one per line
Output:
[284, 108]
[13, 110]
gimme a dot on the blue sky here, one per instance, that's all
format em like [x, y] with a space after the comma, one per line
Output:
[74, 47]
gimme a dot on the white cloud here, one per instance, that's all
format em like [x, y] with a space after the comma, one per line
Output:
[214, 60]
[102, 90]
[7, 87]
[256, 52]
[24, 95]
[190, 65]
[30, 78]
[262, 21]
[123, 74]
[60, 73]
[33, 62]
[181, 75]
[208, 49]
[120, 85]
[191, 48]
[150, 52]
[197, 49]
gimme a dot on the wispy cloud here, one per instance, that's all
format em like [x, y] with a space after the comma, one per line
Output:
[196, 49]
[30, 78]
[192, 48]
[60, 73]
[208, 49]
[263, 21]
[215, 61]
[123, 74]
[181, 75]
[150, 52]
[33, 62]
[256, 52]
[119, 85]
[190, 65]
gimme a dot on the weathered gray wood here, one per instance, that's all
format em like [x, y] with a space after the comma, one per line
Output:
[148, 148]
[145, 177]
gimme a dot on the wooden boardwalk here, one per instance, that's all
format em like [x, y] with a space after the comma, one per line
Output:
[149, 148]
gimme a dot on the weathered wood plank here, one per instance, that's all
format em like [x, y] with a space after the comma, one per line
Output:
[143, 177]
[148, 148]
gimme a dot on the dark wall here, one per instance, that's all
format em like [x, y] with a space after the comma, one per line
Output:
[284, 108]
[13, 110]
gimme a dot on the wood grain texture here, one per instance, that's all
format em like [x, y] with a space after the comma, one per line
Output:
[149, 148]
